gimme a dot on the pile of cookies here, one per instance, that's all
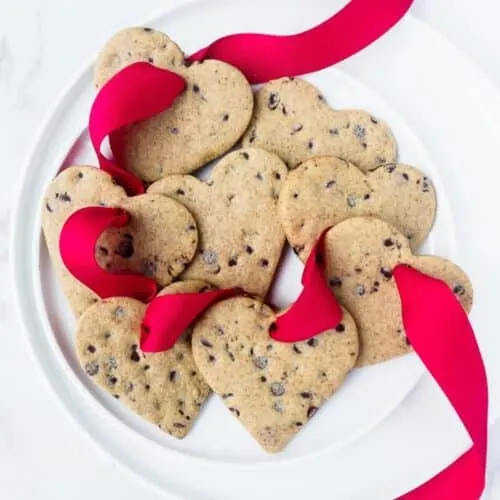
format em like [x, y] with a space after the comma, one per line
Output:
[288, 166]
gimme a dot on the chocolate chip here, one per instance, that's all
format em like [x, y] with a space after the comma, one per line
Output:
[340, 328]
[225, 118]
[405, 176]
[311, 411]
[357, 270]
[120, 312]
[245, 155]
[232, 262]
[295, 195]
[103, 251]
[376, 283]
[147, 29]
[249, 250]
[193, 373]
[360, 290]
[351, 200]
[373, 120]
[272, 328]
[235, 411]
[259, 176]
[366, 196]
[388, 242]
[425, 185]
[390, 168]
[359, 131]
[334, 131]
[277, 389]
[263, 379]
[172, 376]
[313, 342]
[135, 357]
[180, 192]
[116, 396]
[149, 267]
[284, 110]
[64, 197]
[269, 347]
[48, 207]
[219, 331]
[335, 282]
[310, 145]
[296, 128]
[299, 424]
[211, 358]
[253, 136]
[91, 348]
[178, 425]
[150, 60]
[260, 362]
[330, 184]
[107, 335]
[125, 248]
[174, 130]
[274, 100]
[227, 395]
[264, 262]
[92, 368]
[191, 227]
[206, 343]
[80, 175]
[112, 380]
[296, 349]
[306, 395]
[216, 270]
[387, 273]
[278, 406]
[147, 387]
[459, 290]
[277, 175]
[196, 89]
[209, 257]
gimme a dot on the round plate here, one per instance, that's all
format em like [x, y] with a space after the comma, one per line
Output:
[389, 82]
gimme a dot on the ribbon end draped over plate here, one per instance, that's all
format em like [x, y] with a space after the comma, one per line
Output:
[77, 244]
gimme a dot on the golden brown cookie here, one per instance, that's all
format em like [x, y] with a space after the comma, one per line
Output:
[203, 123]
[361, 253]
[292, 119]
[159, 241]
[324, 191]
[272, 388]
[165, 388]
[241, 237]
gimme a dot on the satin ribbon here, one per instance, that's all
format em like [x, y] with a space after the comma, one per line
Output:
[448, 350]
[77, 248]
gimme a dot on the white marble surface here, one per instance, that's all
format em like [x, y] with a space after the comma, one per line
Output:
[43, 44]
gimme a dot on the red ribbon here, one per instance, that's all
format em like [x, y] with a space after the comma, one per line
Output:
[134, 94]
[167, 317]
[316, 309]
[434, 321]
[77, 247]
[440, 333]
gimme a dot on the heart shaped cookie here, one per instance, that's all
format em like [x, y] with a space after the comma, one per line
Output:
[165, 388]
[241, 237]
[324, 191]
[292, 119]
[361, 254]
[203, 123]
[273, 388]
[160, 239]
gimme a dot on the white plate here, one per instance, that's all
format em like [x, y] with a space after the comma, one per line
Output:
[394, 69]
